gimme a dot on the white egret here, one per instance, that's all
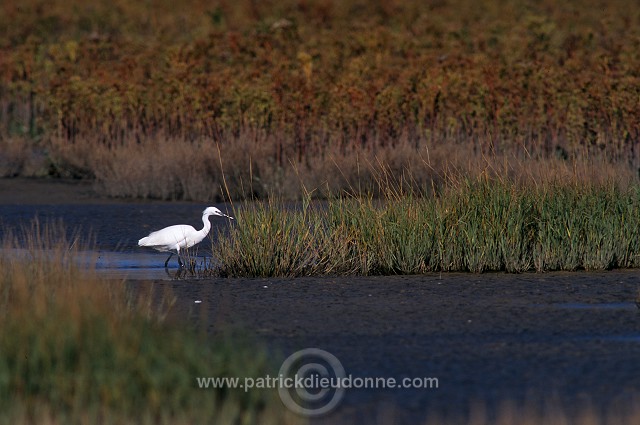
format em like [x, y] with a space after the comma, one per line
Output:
[180, 236]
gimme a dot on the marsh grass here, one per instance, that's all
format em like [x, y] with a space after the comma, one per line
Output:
[137, 96]
[471, 225]
[76, 348]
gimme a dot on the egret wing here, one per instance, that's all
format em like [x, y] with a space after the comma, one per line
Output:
[168, 238]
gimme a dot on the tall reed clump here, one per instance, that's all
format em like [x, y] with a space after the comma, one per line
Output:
[76, 348]
[471, 225]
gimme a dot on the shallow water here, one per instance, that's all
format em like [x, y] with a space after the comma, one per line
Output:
[488, 337]
[113, 230]
[133, 265]
[114, 227]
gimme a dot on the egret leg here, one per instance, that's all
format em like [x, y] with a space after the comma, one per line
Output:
[180, 262]
[167, 262]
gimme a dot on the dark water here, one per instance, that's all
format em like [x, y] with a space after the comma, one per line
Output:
[573, 337]
[114, 231]
[116, 227]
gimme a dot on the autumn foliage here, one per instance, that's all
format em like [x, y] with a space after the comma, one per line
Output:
[152, 99]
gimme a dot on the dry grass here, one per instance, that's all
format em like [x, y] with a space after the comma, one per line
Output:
[168, 169]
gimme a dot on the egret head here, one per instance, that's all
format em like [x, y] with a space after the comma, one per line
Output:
[215, 211]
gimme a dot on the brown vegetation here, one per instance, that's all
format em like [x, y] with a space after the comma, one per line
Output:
[139, 97]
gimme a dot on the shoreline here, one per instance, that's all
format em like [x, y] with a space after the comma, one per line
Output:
[49, 191]
[32, 191]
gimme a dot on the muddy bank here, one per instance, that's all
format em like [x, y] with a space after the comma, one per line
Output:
[573, 337]
[47, 191]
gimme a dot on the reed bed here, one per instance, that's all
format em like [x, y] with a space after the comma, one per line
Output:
[471, 225]
[137, 96]
[75, 348]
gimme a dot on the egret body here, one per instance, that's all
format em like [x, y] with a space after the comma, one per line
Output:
[180, 236]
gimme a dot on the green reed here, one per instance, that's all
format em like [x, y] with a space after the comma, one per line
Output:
[474, 226]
